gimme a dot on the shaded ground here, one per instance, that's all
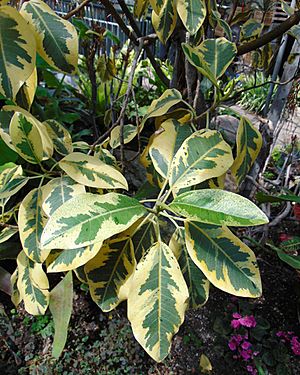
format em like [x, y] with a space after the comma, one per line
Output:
[103, 344]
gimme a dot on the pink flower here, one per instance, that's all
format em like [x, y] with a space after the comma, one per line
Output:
[236, 315]
[246, 345]
[248, 321]
[251, 370]
[235, 324]
[232, 345]
[295, 345]
[246, 354]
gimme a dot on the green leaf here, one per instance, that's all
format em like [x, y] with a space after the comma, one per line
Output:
[15, 295]
[26, 138]
[58, 191]
[60, 305]
[202, 156]
[249, 142]
[263, 198]
[5, 281]
[225, 260]
[18, 50]
[56, 38]
[31, 224]
[71, 259]
[11, 181]
[90, 171]
[165, 21]
[60, 136]
[32, 285]
[212, 57]
[192, 14]
[219, 207]
[157, 300]
[140, 8]
[87, 219]
[108, 271]
[165, 145]
[197, 283]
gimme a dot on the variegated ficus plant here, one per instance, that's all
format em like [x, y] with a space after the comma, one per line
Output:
[69, 202]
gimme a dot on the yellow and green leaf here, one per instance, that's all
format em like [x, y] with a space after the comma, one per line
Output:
[249, 143]
[212, 57]
[157, 300]
[164, 22]
[89, 218]
[31, 225]
[17, 52]
[58, 191]
[60, 305]
[56, 38]
[202, 156]
[26, 138]
[140, 8]
[165, 145]
[224, 259]
[11, 180]
[197, 283]
[15, 294]
[129, 132]
[71, 259]
[6, 233]
[61, 138]
[109, 270]
[32, 285]
[192, 14]
[26, 93]
[91, 171]
[251, 29]
[218, 207]
[157, 5]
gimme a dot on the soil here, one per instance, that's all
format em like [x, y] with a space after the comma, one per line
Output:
[101, 343]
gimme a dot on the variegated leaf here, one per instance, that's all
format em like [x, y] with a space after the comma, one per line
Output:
[26, 93]
[143, 236]
[46, 141]
[197, 283]
[5, 118]
[3, 2]
[15, 295]
[31, 224]
[58, 191]
[156, 5]
[7, 233]
[62, 140]
[70, 259]
[157, 300]
[32, 285]
[202, 156]
[165, 145]
[26, 138]
[140, 8]
[153, 177]
[219, 207]
[129, 132]
[81, 276]
[11, 181]
[18, 51]
[109, 270]
[192, 14]
[165, 21]
[224, 259]
[56, 38]
[251, 29]
[212, 57]
[90, 171]
[163, 104]
[60, 305]
[88, 218]
[249, 143]
[106, 156]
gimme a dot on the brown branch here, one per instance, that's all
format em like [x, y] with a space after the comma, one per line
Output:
[148, 51]
[234, 6]
[271, 35]
[76, 10]
[111, 9]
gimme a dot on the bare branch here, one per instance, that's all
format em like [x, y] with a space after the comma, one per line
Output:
[76, 10]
